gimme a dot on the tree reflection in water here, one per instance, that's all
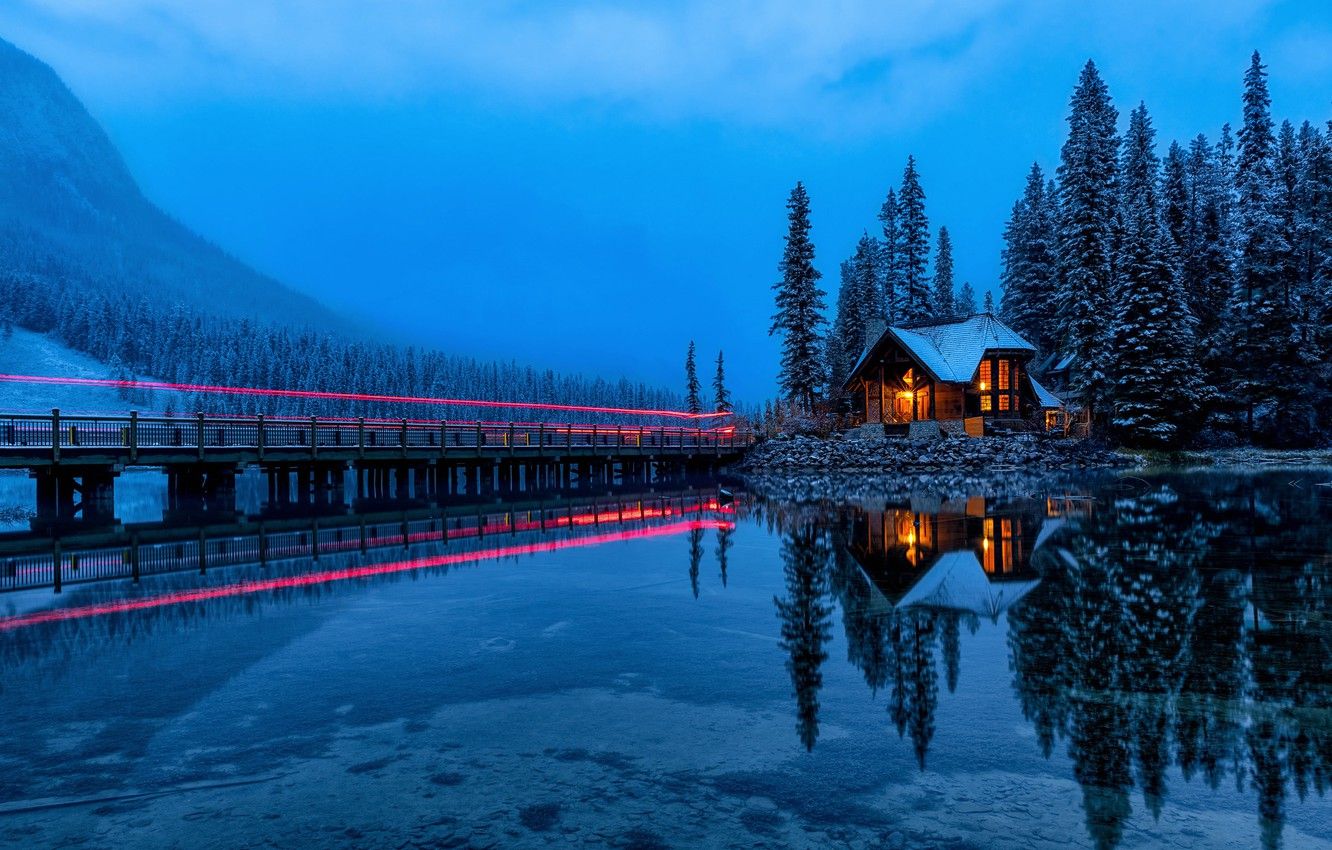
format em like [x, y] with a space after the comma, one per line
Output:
[1184, 626]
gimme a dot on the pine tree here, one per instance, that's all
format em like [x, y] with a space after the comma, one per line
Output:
[1175, 206]
[1087, 199]
[944, 305]
[1029, 276]
[847, 328]
[1270, 366]
[989, 303]
[1151, 354]
[966, 299]
[870, 291]
[799, 308]
[693, 402]
[721, 397]
[891, 268]
[913, 248]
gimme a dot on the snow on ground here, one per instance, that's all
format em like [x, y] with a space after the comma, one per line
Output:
[28, 353]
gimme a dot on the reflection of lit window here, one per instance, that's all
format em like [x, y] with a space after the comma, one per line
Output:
[985, 403]
[1003, 374]
[987, 546]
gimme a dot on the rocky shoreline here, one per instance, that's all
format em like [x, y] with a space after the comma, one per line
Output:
[955, 454]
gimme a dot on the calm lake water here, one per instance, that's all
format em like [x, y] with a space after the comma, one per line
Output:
[1136, 661]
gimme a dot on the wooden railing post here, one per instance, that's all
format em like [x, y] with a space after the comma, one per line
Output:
[510, 438]
[640, 439]
[403, 437]
[314, 437]
[594, 439]
[480, 437]
[443, 437]
[360, 436]
[568, 435]
[259, 437]
[199, 432]
[134, 436]
[541, 439]
[55, 437]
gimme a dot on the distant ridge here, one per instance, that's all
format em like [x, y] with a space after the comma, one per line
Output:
[70, 210]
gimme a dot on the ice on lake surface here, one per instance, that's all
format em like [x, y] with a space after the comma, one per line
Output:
[1106, 662]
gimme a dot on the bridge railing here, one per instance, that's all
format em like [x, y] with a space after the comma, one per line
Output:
[201, 433]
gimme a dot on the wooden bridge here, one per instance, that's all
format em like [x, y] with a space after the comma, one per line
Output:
[76, 459]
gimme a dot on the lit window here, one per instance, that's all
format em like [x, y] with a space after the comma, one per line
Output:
[1003, 374]
[985, 403]
[1003, 402]
[984, 377]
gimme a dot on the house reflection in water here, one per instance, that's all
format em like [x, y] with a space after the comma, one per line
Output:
[968, 555]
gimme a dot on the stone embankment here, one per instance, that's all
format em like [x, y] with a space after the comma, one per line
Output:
[954, 454]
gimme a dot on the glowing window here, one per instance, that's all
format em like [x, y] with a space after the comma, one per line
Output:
[1003, 374]
[983, 379]
[985, 403]
[1003, 402]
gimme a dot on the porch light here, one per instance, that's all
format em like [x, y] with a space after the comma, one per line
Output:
[983, 386]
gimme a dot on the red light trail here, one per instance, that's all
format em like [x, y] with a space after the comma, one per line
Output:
[246, 588]
[339, 396]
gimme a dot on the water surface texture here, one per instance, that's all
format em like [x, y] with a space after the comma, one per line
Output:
[1111, 662]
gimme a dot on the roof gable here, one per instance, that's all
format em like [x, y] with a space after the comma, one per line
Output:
[950, 351]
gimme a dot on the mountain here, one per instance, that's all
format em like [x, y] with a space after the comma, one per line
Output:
[70, 210]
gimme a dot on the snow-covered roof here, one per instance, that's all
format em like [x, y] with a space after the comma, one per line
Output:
[1044, 396]
[950, 351]
[958, 582]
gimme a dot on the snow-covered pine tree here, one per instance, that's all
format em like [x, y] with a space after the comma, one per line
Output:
[1270, 368]
[944, 305]
[989, 303]
[1151, 352]
[891, 269]
[913, 248]
[847, 330]
[799, 308]
[721, 396]
[1175, 206]
[693, 401]
[1029, 272]
[1087, 199]
[966, 299]
[870, 291]
[1316, 257]
[1204, 261]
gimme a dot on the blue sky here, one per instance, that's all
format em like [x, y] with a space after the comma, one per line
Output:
[590, 185]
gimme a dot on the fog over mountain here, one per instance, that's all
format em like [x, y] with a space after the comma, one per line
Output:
[70, 210]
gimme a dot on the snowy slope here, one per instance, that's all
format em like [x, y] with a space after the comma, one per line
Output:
[28, 353]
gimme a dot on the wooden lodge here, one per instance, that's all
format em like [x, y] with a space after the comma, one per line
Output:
[967, 375]
[970, 555]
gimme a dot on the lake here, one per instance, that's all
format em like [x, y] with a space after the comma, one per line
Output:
[1104, 661]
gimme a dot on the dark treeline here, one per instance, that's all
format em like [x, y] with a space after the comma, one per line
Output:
[140, 338]
[1189, 297]
[1193, 291]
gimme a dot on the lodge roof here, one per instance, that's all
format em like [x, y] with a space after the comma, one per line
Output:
[951, 350]
[1044, 396]
[958, 582]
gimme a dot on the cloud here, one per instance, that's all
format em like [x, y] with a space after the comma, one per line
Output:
[785, 63]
